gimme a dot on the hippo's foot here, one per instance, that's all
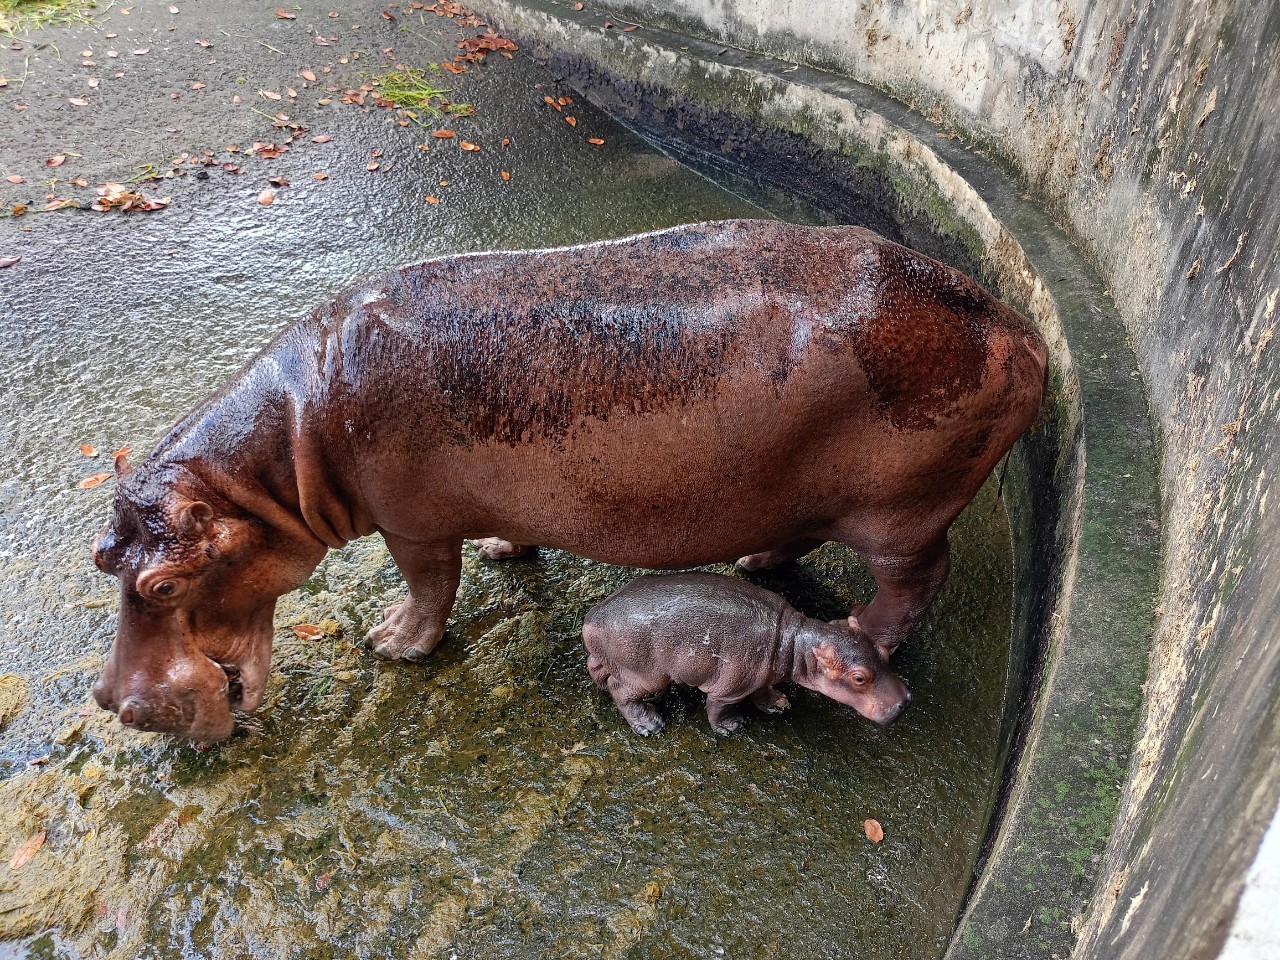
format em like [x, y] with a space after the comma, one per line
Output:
[643, 717]
[783, 554]
[495, 548]
[725, 718]
[405, 634]
[770, 700]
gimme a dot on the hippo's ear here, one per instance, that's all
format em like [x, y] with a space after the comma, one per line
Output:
[195, 520]
[854, 623]
[829, 660]
[122, 467]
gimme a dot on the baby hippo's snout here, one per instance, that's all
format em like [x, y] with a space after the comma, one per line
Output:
[734, 641]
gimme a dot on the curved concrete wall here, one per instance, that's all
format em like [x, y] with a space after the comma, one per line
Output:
[1150, 133]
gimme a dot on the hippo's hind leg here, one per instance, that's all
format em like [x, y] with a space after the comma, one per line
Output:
[413, 627]
[629, 698]
[778, 556]
[905, 587]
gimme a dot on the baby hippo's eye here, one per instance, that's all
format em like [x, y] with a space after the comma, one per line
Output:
[859, 679]
[165, 588]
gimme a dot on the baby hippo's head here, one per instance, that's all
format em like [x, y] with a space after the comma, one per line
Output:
[846, 667]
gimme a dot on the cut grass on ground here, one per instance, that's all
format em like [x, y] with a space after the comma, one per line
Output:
[25, 15]
[414, 91]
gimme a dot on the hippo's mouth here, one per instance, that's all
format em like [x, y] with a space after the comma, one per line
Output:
[235, 685]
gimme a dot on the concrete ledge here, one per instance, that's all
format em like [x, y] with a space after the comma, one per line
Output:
[1082, 489]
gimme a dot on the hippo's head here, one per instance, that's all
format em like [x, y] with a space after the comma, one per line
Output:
[850, 670]
[199, 584]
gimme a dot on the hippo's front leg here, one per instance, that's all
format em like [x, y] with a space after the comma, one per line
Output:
[413, 627]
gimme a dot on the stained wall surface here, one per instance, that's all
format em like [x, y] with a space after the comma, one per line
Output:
[1150, 131]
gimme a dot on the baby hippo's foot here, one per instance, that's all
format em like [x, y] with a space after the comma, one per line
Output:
[495, 548]
[725, 718]
[405, 634]
[770, 700]
[643, 717]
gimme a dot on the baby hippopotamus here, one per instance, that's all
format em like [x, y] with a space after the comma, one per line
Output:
[734, 641]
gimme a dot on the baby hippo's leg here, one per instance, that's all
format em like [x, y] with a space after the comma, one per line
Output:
[725, 715]
[643, 717]
[770, 700]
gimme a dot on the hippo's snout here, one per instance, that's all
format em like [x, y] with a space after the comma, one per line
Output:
[894, 710]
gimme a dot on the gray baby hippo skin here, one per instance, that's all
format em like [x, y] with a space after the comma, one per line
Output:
[734, 641]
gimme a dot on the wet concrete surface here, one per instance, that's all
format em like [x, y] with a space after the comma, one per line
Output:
[490, 802]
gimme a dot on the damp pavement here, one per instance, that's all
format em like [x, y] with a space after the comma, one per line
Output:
[490, 802]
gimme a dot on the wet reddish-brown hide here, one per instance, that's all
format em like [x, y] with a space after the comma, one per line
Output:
[737, 389]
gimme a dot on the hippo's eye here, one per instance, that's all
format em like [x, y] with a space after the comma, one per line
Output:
[859, 679]
[165, 588]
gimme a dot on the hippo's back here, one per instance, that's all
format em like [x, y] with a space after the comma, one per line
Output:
[691, 616]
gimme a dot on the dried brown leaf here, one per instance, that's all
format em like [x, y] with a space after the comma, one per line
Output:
[506, 174]
[78, 101]
[7, 262]
[875, 832]
[267, 197]
[88, 449]
[571, 121]
[26, 851]
[57, 160]
[320, 175]
[444, 134]
[92, 480]
[283, 14]
[322, 138]
[308, 76]
[308, 631]
[431, 199]
[122, 452]
[596, 140]
[468, 146]
[16, 178]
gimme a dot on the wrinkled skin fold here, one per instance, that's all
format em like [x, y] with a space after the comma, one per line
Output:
[741, 389]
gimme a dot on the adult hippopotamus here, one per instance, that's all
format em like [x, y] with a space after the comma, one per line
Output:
[718, 390]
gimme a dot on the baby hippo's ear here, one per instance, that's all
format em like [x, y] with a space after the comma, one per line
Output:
[854, 624]
[829, 660]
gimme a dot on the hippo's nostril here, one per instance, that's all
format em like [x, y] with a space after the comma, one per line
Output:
[126, 715]
[102, 697]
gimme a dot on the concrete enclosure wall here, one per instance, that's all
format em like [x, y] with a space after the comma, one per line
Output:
[1149, 132]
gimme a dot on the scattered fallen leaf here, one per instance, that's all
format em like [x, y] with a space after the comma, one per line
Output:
[468, 146]
[291, 93]
[122, 452]
[26, 851]
[430, 199]
[201, 41]
[596, 140]
[323, 138]
[88, 449]
[18, 209]
[506, 141]
[283, 14]
[453, 68]
[875, 832]
[323, 881]
[577, 6]
[564, 101]
[444, 134]
[267, 198]
[506, 174]
[278, 182]
[269, 94]
[320, 175]
[16, 178]
[119, 197]
[308, 631]
[78, 101]
[551, 102]
[92, 480]
[371, 165]
[197, 85]
[173, 10]
[93, 82]
[269, 151]
[571, 121]
[308, 76]
[6, 262]
[375, 152]
[142, 51]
